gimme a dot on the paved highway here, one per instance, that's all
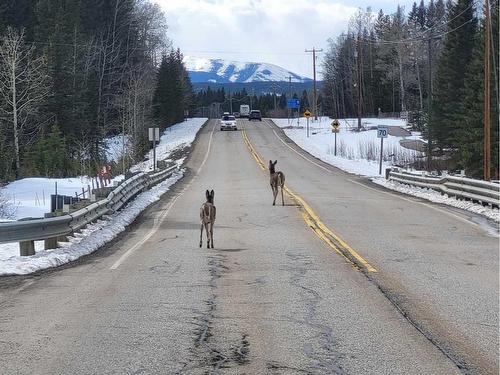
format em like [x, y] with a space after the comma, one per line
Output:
[346, 278]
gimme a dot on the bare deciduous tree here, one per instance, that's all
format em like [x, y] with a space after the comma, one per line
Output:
[23, 86]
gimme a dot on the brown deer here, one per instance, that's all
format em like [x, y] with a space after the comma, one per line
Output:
[207, 217]
[277, 179]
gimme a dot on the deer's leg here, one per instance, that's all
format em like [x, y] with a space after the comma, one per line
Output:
[275, 193]
[212, 233]
[201, 234]
[282, 200]
[208, 235]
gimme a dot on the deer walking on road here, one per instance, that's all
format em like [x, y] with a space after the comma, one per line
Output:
[277, 179]
[207, 217]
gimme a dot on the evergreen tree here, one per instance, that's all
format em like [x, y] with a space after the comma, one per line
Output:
[449, 89]
[173, 94]
[469, 133]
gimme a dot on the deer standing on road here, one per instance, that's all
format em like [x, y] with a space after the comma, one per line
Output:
[207, 217]
[277, 179]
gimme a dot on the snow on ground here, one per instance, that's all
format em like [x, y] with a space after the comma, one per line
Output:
[29, 194]
[83, 243]
[177, 136]
[434, 196]
[30, 197]
[357, 152]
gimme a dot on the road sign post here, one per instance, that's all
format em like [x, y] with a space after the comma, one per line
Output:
[293, 104]
[335, 151]
[154, 136]
[307, 114]
[382, 133]
[335, 130]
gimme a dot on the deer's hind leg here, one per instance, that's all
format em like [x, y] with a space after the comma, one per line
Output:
[212, 233]
[275, 193]
[201, 234]
[282, 200]
[208, 235]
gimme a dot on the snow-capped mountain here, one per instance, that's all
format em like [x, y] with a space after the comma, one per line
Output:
[221, 71]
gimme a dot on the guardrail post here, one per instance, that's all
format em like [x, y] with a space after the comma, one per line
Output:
[27, 248]
[388, 173]
[62, 238]
[50, 243]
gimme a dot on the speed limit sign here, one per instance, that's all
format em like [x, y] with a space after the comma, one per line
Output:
[382, 132]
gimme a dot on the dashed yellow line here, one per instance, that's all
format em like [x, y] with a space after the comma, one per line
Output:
[314, 222]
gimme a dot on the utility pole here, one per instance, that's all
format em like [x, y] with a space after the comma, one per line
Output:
[358, 56]
[315, 104]
[487, 93]
[429, 105]
[289, 95]
[230, 103]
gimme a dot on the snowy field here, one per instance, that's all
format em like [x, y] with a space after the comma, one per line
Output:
[357, 152]
[27, 195]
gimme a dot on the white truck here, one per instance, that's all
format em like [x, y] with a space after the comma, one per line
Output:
[244, 110]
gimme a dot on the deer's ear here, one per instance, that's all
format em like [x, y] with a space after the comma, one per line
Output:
[207, 194]
[275, 162]
[212, 194]
[270, 162]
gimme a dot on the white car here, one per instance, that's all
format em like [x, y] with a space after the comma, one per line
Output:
[228, 123]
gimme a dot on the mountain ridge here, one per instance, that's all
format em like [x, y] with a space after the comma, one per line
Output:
[206, 70]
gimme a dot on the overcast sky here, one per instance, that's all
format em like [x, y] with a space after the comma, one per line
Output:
[272, 31]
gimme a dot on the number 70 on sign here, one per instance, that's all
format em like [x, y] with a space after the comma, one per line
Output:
[382, 132]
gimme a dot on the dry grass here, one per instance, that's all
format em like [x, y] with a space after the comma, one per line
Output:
[7, 209]
[370, 150]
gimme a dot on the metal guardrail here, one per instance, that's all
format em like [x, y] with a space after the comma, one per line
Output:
[465, 188]
[50, 228]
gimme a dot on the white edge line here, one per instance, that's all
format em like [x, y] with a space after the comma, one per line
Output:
[159, 220]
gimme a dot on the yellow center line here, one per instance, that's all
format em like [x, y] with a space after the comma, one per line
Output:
[314, 222]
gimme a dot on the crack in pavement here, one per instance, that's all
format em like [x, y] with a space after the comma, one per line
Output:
[321, 351]
[207, 355]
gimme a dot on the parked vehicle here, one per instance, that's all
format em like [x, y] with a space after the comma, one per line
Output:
[244, 110]
[228, 123]
[255, 115]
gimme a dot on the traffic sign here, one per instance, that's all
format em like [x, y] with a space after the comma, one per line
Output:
[154, 134]
[382, 131]
[335, 126]
[307, 113]
[293, 103]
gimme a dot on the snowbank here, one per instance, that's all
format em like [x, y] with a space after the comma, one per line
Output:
[357, 152]
[85, 243]
[434, 196]
[28, 195]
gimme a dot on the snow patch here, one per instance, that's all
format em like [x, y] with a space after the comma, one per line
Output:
[357, 152]
[27, 194]
[87, 241]
[356, 145]
[437, 197]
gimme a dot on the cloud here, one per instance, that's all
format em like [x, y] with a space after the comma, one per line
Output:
[273, 31]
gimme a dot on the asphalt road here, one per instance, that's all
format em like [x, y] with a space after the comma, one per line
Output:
[273, 297]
